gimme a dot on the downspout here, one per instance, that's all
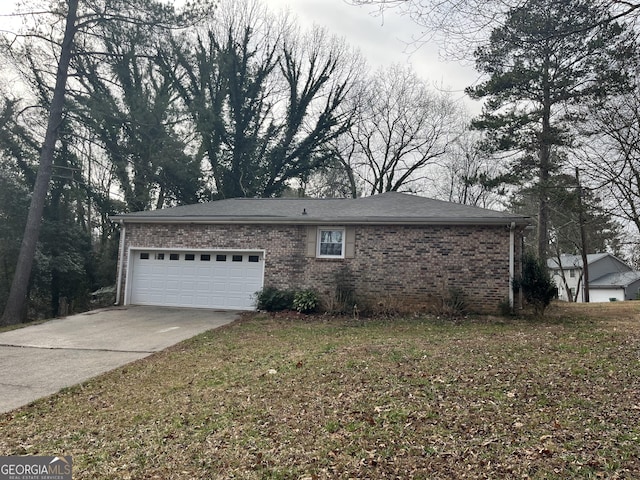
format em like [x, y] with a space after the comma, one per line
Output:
[123, 231]
[512, 261]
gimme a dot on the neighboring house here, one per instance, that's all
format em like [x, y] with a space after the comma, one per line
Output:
[391, 247]
[609, 278]
[618, 286]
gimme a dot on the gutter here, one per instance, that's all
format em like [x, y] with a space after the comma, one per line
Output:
[512, 263]
[123, 232]
[323, 220]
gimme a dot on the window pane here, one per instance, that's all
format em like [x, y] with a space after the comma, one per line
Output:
[335, 249]
[331, 242]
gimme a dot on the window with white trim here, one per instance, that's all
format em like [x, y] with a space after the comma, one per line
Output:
[330, 242]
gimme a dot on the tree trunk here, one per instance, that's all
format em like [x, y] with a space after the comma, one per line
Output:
[583, 240]
[546, 136]
[15, 308]
[543, 208]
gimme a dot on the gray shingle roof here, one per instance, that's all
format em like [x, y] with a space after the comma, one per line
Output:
[621, 279]
[391, 207]
[574, 261]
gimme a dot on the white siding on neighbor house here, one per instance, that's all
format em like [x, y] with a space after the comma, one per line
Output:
[599, 295]
[599, 266]
[572, 283]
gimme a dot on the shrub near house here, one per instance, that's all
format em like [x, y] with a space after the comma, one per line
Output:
[386, 248]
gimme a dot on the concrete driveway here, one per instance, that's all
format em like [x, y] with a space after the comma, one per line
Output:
[40, 360]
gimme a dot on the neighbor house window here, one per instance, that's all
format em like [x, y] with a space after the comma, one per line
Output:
[331, 242]
[572, 273]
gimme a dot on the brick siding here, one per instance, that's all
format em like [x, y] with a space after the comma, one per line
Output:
[410, 266]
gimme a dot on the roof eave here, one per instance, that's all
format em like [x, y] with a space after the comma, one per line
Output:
[604, 287]
[520, 221]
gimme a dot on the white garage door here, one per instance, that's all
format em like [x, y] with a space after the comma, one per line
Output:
[217, 279]
[597, 295]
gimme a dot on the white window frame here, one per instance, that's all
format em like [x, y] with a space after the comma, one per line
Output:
[319, 238]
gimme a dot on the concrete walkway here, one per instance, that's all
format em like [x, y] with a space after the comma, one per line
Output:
[39, 360]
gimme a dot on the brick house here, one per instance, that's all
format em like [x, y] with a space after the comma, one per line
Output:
[397, 248]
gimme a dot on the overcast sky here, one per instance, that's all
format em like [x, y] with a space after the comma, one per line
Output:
[383, 40]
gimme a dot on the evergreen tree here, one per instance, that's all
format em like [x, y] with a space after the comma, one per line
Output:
[546, 65]
[264, 99]
[50, 60]
[535, 282]
[131, 109]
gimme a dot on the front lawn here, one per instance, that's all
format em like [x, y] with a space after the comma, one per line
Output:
[278, 397]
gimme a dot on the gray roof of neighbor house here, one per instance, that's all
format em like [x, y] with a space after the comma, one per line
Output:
[391, 207]
[575, 261]
[621, 279]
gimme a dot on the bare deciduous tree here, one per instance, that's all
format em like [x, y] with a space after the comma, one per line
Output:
[462, 25]
[612, 159]
[469, 175]
[402, 129]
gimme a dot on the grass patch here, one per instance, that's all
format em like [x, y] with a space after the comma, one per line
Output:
[273, 397]
[8, 328]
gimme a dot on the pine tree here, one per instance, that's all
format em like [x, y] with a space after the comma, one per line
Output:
[546, 65]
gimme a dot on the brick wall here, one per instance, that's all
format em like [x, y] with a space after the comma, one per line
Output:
[403, 265]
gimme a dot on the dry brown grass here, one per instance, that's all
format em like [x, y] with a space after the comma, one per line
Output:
[304, 398]
[622, 312]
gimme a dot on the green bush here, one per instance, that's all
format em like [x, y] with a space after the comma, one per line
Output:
[536, 283]
[305, 301]
[273, 299]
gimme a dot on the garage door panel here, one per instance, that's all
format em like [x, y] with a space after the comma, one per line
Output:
[203, 288]
[208, 280]
[205, 271]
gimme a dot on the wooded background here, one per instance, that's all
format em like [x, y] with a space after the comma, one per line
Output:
[162, 106]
